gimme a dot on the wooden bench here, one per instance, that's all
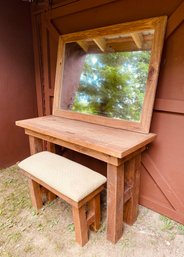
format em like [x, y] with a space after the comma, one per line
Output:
[77, 185]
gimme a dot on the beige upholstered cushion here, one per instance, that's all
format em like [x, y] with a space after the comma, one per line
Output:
[69, 178]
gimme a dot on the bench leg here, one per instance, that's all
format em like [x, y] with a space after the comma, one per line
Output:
[47, 196]
[50, 196]
[80, 223]
[36, 194]
[94, 208]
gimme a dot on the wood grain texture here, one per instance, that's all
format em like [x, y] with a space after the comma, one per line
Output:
[175, 20]
[35, 194]
[50, 37]
[122, 28]
[36, 47]
[153, 72]
[158, 25]
[35, 144]
[138, 39]
[94, 207]
[84, 150]
[45, 57]
[116, 123]
[115, 202]
[132, 177]
[101, 43]
[84, 45]
[50, 196]
[127, 192]
[59, 74]
[80, 149]
[55, 34]
[114, 142]
[80, 223]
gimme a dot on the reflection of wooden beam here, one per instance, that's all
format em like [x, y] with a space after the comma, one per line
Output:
[146, 38]
[127, 47]
[84, 45]
[101, 43]
[124, 44]
[138, 39]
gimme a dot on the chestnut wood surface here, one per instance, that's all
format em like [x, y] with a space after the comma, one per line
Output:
[120, 149]
[110, 141]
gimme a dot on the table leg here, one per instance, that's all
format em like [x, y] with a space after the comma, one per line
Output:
[35, 144]
[132, 177]
[115, 195]
[51, 147]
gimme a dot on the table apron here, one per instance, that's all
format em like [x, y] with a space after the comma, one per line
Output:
[84, 150]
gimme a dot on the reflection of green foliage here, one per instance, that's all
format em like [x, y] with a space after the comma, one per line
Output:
[113, 85]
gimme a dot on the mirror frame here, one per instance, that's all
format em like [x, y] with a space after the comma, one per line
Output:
[158, 24]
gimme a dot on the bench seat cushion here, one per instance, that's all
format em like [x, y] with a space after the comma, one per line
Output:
[69, 178]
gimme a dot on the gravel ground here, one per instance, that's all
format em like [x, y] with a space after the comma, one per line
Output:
[51, 232]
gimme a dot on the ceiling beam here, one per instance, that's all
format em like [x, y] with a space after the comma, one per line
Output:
[175, 19]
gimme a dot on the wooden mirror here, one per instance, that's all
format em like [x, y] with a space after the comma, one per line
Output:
[109, 75]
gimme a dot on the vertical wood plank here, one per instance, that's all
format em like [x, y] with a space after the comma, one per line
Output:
[51, 147]
[46, 64]
[80, 222]
[115, 195]
[35, 193]
[157, 45]
[35, 144]
[50, 196]
[37, 62]
[132, 177]
[94, 206]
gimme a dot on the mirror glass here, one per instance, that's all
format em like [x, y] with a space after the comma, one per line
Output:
[107, 76]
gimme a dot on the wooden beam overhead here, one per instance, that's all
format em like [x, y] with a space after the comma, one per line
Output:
[175, 19]
[101, 43]
[138, 39]
[84, 45]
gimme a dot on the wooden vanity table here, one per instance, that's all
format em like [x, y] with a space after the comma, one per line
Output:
[103, 103]
[120, 149]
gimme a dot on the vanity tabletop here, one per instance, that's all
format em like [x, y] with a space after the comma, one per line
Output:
[111, 141]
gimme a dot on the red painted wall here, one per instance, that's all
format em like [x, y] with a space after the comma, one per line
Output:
[17, 83]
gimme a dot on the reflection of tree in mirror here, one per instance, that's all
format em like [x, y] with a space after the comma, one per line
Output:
[113, 85]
